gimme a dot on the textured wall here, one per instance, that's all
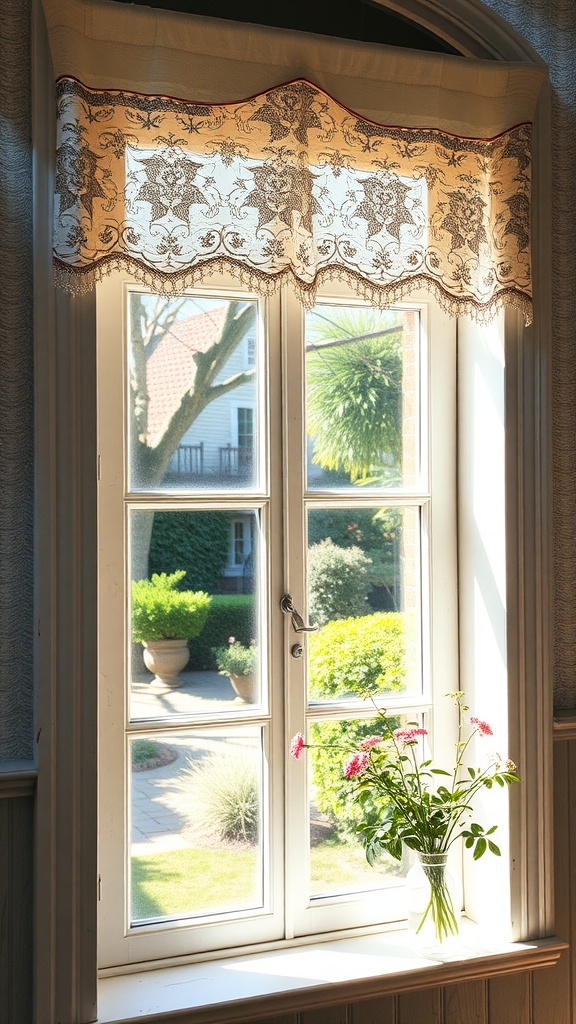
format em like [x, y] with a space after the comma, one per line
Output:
[16, 385]
[550, 28]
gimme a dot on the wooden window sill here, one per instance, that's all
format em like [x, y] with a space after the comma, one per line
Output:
[306, 977]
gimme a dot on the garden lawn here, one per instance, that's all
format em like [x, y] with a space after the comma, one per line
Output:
[187, 881]
[194, 881]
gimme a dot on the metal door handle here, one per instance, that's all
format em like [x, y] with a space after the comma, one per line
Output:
[298, 624]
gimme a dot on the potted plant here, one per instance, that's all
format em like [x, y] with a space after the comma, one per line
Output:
[238, 662]
[163, 620]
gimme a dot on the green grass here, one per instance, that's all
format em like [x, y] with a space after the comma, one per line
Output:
[334, 865]
[192, 881]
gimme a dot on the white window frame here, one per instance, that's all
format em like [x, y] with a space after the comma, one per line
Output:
[66, 893]
[435, 490]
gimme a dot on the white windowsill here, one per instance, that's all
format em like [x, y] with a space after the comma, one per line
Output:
[265, 984]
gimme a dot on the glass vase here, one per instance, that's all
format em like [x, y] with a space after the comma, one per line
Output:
[434, 902]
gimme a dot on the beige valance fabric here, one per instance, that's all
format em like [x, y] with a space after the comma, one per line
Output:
[410, 169]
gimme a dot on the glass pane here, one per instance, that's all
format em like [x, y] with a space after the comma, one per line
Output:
[362, 397]
[337, 859]
[193, 393]
[364, 593]
[195, 612]
[196, 823]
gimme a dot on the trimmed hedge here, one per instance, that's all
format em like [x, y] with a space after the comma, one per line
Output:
[229, 615]
[357, 656]
[197, 542]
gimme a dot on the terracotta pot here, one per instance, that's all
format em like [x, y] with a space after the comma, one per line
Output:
[166, 659]
[246, 687]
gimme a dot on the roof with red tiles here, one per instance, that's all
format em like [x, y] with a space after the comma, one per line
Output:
[171, 368]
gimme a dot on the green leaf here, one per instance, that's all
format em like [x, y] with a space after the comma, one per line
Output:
[493, 848]
[480, 849]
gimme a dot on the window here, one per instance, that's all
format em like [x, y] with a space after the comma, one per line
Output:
[66, 660]
[355, 522]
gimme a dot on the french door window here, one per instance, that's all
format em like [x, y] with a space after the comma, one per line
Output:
[341, 521]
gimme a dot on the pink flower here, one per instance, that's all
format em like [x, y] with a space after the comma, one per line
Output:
[409, 735]
[483, 728]
[370, 741]
[356, 764]
[297, 745]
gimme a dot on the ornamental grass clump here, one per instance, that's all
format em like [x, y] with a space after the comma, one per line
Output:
[222, 796]
[162, 612]
[424, 808]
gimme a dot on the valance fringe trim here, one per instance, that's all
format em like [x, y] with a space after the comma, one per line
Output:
[81, 282]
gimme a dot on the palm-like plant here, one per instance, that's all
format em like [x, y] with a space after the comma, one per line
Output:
[354, 391]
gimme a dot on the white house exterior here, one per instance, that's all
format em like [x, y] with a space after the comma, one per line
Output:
[217, 451]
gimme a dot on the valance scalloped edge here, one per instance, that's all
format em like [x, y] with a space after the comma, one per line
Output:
[288, 184]
[80, 283]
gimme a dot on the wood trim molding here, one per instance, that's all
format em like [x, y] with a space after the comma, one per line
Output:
[468, 26]
[17, 782]
[565, 724]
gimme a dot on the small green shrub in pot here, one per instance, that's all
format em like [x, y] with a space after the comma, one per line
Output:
[236, 659]
[162, 612]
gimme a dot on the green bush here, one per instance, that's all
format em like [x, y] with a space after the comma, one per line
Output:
[378, 533]
[143, 750]
[197, 542]
[357, 656]
[235, 659]
[229, 615]
[337, 582]
[346, 527]
[222, 796]
[161, 612]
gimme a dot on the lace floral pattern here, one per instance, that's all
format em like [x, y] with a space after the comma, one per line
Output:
[288, 184]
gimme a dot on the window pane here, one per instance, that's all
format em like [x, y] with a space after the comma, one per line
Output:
[362, 415]
[337, 860]
[219, 649]
[364, 593]
[193, 369]
[196, 823]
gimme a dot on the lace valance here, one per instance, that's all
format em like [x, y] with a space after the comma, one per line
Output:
[288, 184]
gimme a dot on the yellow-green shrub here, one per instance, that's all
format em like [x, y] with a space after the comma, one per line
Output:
[357, 656]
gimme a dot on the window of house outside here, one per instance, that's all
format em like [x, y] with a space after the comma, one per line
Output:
[217, 838]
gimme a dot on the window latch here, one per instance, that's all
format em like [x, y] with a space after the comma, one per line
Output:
[298, 624]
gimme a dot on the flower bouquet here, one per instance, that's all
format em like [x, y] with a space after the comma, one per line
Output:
[425, 808]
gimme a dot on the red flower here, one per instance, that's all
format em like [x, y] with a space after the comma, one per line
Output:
[483, 728]
[297, 745]
[356, 764]
[409, 735]
[370, 741]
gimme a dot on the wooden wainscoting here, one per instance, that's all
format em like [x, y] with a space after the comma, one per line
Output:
[16, 871]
